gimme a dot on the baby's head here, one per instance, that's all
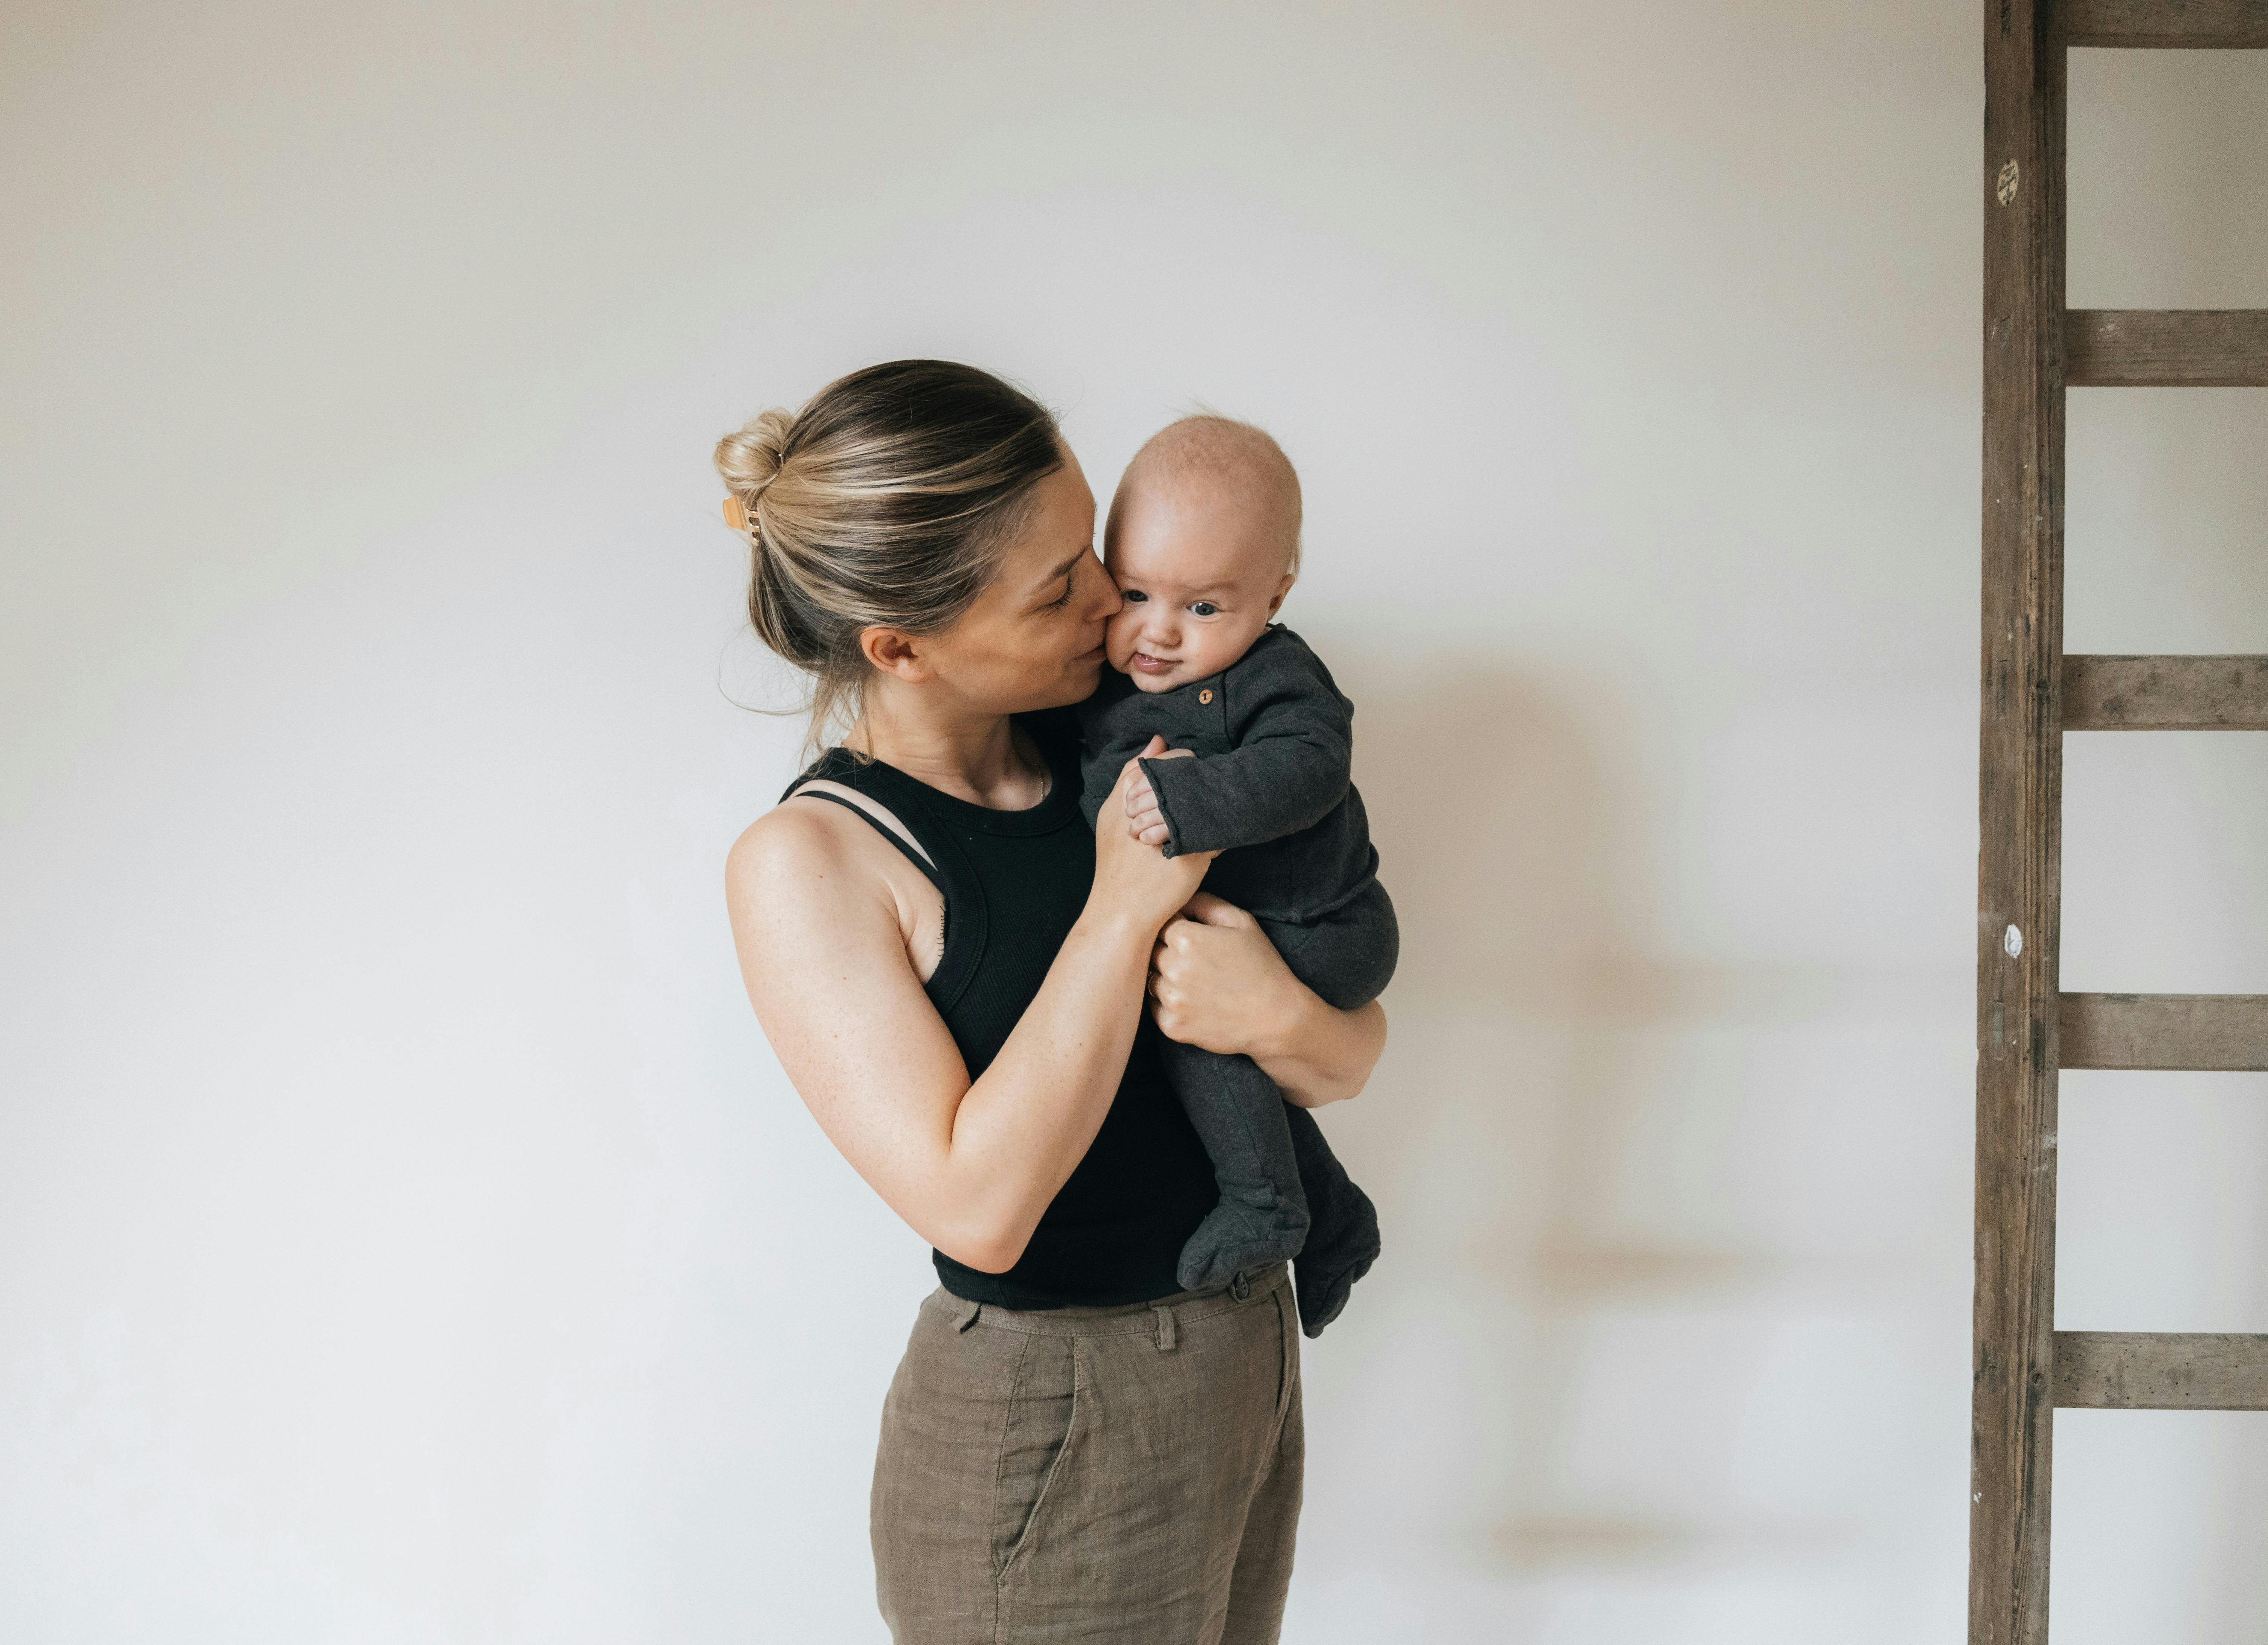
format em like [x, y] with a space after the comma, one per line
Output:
[1204, 541]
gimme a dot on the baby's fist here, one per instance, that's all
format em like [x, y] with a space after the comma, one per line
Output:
[1145, 818]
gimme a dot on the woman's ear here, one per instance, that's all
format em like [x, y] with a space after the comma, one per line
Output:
[1282, 589]
[895, 651]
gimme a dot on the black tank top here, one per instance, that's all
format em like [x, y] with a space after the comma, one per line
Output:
[1014, 883]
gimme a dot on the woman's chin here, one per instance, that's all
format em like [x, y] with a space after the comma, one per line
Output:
[1086, 672]
[1076, 683]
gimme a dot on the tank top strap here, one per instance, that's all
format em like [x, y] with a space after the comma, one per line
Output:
[907, 849]
[949, 868]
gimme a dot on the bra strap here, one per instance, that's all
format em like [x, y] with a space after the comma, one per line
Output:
[887, 833]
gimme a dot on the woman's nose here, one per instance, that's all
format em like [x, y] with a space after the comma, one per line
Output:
[1108, 601]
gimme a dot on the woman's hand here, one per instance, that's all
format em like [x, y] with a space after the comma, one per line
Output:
[1216, 982]
[1133, 878]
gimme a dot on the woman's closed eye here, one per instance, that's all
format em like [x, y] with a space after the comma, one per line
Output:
[1070, 582]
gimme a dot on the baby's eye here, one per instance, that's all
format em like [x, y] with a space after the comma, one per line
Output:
[1202, 608]
[1133, 595]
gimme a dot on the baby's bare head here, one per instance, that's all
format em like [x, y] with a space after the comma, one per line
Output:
[1204, 541]
[1220, 467]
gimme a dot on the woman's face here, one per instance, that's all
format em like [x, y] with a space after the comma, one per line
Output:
[1034, 638]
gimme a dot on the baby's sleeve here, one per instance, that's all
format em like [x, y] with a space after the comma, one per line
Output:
[1096, 783]
[1291, 764]
[1111, 732]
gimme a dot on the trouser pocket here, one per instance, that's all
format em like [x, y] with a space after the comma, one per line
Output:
[1288, 1372]
[1039, 1442]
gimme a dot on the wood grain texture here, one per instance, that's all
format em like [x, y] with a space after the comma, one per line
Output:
[2161, 1370]
[2172, 347]
[2165, 693]
[2225, 1031]
[2019, 778]
[2207, 24]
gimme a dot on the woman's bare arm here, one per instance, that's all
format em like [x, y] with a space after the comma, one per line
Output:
[1218, 983]
[970, 1166]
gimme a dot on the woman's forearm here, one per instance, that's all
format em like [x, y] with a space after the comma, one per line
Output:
[1317, 1053]
[1024, 1124]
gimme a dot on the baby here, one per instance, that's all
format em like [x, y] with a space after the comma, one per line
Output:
[1204, 541]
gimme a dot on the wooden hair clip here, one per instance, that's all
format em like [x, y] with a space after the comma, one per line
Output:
[735, 516]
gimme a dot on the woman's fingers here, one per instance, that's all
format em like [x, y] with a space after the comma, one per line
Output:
[1165, 959]
[1207, 909]
[1217, 978]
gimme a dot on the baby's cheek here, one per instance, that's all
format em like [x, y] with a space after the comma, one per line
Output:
[1219, 645]
[1119, 639]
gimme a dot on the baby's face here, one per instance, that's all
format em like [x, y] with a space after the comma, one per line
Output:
[1200, 579]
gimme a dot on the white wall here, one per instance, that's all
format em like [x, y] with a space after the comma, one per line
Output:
[405, 1234]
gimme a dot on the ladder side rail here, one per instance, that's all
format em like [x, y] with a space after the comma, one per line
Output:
[2019, 788]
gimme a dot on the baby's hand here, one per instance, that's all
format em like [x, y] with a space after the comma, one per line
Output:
[1144, 819]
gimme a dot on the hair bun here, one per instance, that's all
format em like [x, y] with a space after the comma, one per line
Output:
[749, 457]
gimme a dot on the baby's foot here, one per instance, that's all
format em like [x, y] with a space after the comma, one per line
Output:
[1236, 1236]
[1340, 1248]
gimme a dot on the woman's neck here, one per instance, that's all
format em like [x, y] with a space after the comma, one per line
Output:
[981, 759]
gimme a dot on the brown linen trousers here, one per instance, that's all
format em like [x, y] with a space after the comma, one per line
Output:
[1114, 1476]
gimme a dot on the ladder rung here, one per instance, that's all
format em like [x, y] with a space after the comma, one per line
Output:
[2196, 348]
[2143, 23]
[2161, 1031]
[2161, 1370]
[2165, 693]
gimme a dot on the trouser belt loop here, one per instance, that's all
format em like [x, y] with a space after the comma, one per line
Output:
[965, 1313]
[1168, 1333]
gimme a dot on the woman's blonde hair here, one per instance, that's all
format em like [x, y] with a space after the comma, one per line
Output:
[885, 502]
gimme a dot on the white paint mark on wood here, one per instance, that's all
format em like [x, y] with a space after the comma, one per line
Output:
[2014, 942]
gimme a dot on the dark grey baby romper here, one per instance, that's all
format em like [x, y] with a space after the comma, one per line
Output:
[1270, 790]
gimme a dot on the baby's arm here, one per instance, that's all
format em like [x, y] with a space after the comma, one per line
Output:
[1290, 766]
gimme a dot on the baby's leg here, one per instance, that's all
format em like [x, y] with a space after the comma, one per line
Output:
[1342, 1227]
[1348, 960]
[1348, 957]
[1241, 1117]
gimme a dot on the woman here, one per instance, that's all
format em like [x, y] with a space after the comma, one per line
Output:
[952, 969]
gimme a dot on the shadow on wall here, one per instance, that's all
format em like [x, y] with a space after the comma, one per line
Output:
[1529, 1109]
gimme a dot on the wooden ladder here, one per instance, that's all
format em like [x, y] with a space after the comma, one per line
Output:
[2026, 1031]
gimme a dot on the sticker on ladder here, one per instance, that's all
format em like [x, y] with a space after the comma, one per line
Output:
[2007, 187]
[2014, 942]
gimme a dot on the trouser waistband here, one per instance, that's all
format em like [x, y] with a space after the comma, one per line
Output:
[1164, 1317]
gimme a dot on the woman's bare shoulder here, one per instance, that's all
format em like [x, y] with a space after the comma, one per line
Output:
[791, 844]
[810, 881]
[807, 860]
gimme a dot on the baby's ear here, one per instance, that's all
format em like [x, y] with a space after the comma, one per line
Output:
[1282, 589]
